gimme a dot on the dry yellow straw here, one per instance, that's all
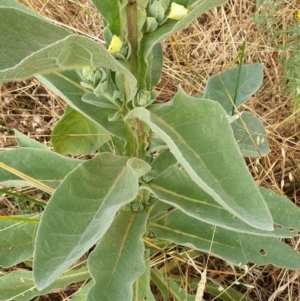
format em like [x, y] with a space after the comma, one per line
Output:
[28, 179]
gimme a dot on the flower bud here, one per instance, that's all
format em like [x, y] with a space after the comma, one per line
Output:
[177, 11]
[165, 4]
[156, 10]
[88, 73]
[91, 77]
[151, 24]
[115, 44]
[143, 98]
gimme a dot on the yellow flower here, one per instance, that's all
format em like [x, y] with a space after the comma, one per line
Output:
[177, 11]
[115, 44]
[298, 15]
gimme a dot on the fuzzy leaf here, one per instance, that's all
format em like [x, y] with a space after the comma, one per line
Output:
[79, 213]
[236, 248]
[118, 261]
[42, 165]
[236, 83]
[175, 187]
[199, 136]
[48, 48]
[110, 11]
[16, 241]
[77, 135]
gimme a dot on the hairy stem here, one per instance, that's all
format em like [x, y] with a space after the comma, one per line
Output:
[131, 11]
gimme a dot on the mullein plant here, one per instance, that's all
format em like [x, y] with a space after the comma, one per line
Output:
[170, 172]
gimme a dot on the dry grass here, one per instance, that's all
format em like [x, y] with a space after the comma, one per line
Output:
[208, 46]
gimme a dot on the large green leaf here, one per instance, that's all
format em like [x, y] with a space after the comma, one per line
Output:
[235, 85]
[110, 11]
[31, 45]
[77, 135]
[17, 43]
[18, 285]
[80, 212]
[250, 135]
[66, 85]
[199, 136]
[42, 165]
[171, 26]
[118, 259]
[175, 187]
[16, 241]
[234, 247]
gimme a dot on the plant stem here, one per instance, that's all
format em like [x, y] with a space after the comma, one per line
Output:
[131, 11]
[141, 139]
[131, 143]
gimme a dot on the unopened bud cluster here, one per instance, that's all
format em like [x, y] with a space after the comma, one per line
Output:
[91, 77]
[103, 92]
[144, 98]
[158, 12]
